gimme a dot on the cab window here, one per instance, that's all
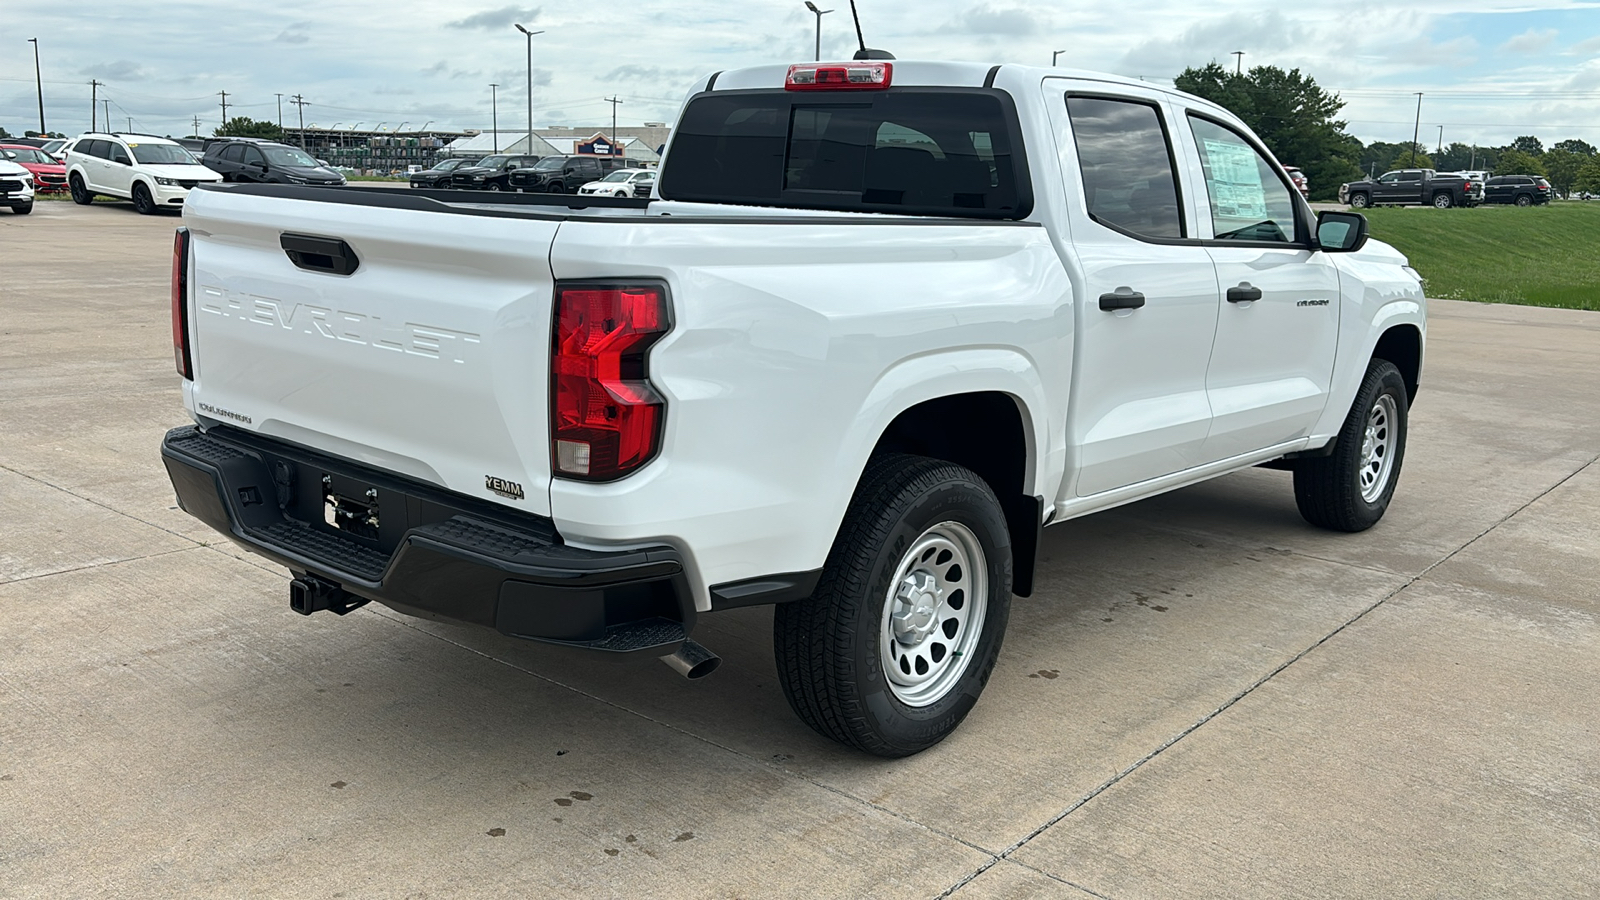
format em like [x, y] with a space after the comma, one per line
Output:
[1249, 201]
[1128, 179]
[1389, 178]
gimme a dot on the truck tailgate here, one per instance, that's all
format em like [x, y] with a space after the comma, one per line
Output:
[430, 359]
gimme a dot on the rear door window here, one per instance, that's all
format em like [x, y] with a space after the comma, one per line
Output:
[910, 151]
[1128, 174]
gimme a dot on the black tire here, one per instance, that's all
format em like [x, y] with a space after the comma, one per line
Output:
[558, 188]
[1329, 490]
[1360, 201]
[1524, 200]
[23, 209]
[1443, 201]
[142, 201]
[829, 646]
[81, 194]
[493, 186]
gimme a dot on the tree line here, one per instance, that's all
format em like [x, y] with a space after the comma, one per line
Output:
[1295, 118]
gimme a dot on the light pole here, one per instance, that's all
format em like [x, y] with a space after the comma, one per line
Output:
[1054, 56]
[39, 79]
[529, 35]
[1238, 62]
[494, 117]
[819, 14]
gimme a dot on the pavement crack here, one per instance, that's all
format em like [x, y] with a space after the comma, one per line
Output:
[1167, 744]
[98, 565]
[71, 493]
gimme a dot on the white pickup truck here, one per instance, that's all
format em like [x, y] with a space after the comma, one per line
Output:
[880, 323]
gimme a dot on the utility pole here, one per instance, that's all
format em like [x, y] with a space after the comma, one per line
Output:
[614, 102]
[302, 103]
[106, 105]
[38, 79]
[1415, 131]
[1440, 148]
[196, 131]
[529, 35]
[280, 111]
[224, 108]
[94, 105]
[494, 117]
[130, 124]
[1238, 62]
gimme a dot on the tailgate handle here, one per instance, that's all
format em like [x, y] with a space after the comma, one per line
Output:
[319, 254]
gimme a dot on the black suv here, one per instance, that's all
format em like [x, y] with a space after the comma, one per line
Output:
[439, 175]
[253, 159]
[1523, 190]
[489, 173]
[565, 174]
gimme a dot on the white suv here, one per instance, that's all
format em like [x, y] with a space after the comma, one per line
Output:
[153, 172]
[16, 187]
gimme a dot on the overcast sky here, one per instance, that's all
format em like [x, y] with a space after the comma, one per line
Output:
[1490, 69]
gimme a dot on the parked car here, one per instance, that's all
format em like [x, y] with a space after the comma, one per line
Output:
[1409, 187]
[49, 176]
[622, 183]
[439, 175]
[565, 174]
[824, 372]
[490, 173]
[270, 162]
[56, 147]
[16, 187]
[1523, 190]
[153, 172]
[1301, 183]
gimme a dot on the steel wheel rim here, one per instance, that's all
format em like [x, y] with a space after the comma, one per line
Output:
[933, 614]
[1377, 448]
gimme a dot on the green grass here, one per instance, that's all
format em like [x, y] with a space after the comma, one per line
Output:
[1539, 256]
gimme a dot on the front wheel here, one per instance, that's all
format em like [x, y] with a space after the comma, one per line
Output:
[1443, 201]
[1350, 489]
[142, 201]
[23, 209]
[492, 186]
[891, 651]
[81, 194]
[1360, 201]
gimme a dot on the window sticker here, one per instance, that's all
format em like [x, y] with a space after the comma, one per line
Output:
[1236, 188]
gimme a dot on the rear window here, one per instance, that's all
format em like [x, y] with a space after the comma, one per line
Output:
[911, 151]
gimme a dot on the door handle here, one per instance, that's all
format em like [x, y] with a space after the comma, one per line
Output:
[1123, 298]
[1243, 293]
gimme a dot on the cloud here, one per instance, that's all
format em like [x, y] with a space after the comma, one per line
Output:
[1585, 48]
[120, 70]
[664, 75]
[1531, 41]
[438, 68]
[987, 20]
[1214, 40]
[504, 17]
[295, 34]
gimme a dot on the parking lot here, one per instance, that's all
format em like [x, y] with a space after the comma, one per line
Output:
[1205, 697]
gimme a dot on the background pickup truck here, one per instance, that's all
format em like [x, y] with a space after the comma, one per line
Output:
[883, 322]
[1413, 187]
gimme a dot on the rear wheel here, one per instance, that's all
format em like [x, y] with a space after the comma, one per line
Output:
[1360, 201]
[1443, 201]
[1350, 489]
[891, 651]
[1524, 200]
[81, 195]
[142, 201]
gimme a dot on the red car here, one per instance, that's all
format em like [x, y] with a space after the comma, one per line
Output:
[1300, 182]
[49, 176]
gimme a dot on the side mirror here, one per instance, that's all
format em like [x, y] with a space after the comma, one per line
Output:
[1341, 232]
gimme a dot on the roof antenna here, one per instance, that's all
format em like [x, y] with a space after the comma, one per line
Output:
[865, 52]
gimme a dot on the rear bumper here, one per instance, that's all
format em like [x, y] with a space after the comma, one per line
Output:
[435, 554]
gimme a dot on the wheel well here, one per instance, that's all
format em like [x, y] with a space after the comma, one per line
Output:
[1402, 345]
[983, 432]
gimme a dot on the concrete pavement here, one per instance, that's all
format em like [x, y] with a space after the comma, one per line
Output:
[1205, 698]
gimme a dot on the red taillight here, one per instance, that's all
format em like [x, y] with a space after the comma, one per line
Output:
[854, 76]
[180, 303]
[605, 418]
